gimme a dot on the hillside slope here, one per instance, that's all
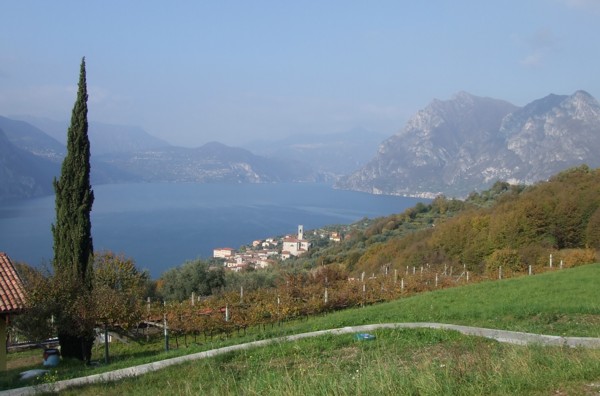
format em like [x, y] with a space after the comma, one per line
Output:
[513, 227]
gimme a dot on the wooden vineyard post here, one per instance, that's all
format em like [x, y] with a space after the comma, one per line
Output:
[278, 315]
[364, 292]
[106, 343]
[147, 318]
[165, 327]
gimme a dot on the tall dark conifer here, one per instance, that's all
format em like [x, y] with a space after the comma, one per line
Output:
[73, 249]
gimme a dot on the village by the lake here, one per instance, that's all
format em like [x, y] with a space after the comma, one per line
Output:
[263, 253]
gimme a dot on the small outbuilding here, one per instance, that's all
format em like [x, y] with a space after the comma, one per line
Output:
[12, 300]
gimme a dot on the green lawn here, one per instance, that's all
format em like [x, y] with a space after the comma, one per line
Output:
[565, 302]
[397, 362]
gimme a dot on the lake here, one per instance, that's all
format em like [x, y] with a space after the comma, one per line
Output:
[162, 225]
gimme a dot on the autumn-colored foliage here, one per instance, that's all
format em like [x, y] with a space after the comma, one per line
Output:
[522, 228]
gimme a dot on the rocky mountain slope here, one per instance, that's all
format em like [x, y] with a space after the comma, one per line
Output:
[467, 143]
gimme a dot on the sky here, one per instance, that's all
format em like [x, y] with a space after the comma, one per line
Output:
[192, 72]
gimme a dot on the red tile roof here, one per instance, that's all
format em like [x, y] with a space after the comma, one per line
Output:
[12, 292]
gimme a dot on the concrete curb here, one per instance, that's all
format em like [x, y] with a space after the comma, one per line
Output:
[511, 337]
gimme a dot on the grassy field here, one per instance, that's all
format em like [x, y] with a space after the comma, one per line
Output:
[565, 302]
[397, 362]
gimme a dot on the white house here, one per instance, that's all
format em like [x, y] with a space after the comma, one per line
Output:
[223, 252]
[285, 255]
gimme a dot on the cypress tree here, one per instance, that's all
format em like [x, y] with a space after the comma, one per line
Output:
[73, 248]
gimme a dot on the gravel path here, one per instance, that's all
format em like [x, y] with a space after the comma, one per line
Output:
[512, 337]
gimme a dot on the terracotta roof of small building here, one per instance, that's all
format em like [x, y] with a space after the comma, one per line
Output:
[12, 291]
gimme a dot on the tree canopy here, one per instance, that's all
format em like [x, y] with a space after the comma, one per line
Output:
[194, 276]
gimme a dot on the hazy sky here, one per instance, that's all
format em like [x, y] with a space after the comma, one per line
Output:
[191, 72]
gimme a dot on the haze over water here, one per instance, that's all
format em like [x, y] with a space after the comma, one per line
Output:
[163, 225]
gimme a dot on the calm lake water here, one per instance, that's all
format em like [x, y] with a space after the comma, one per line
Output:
[163, 225]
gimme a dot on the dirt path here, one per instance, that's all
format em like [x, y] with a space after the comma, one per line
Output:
[512, 337]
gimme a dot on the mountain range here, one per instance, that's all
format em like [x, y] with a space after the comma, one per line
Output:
[333, 154]
[30, 158]
[212, 162]
[451, 147]
[104, 138]
[467, 143]
[23, 174]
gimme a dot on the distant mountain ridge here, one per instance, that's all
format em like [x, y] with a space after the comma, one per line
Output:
[333, 154]
[32, 139]
[451, 147]
[30, 159]
[212, 162]
[22, 174]
[104, 138]
[467, 143]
